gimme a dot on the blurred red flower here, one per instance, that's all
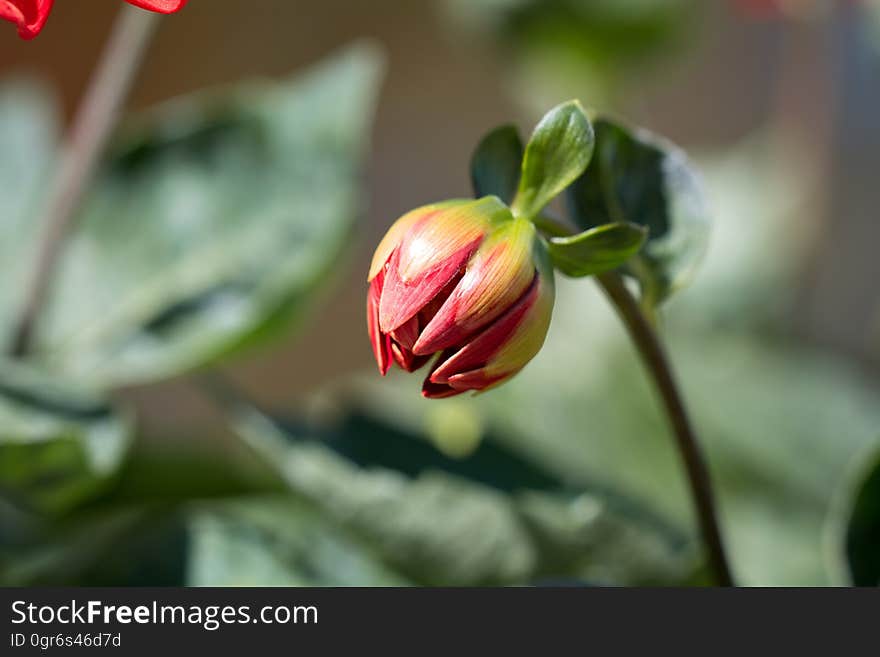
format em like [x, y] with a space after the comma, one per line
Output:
[30, 15]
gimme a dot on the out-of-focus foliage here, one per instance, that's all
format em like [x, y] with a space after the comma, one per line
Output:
[278, 542]
[28, 141]
[861, 533]
[213, 221]
[638, 178]
[586, 48]
[492, 518]
[136, 531]
[58, 443]
[364, 502]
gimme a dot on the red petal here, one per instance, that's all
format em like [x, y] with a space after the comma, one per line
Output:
[438, 391]
[477, 380]
[405, 358]
[161, 6]
[433, 391]
[476, 353]
[496, 277]
[467, 381]
[407, 334]
[402, 299]
[29, 15]
[381, 343]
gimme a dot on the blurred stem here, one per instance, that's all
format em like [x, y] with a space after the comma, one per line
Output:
[656, 362]
[95, 120]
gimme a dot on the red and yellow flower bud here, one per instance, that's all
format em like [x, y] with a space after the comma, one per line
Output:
[464, 281]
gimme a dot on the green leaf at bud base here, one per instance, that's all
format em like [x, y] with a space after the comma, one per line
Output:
[639, 178]
[597, 250]
[557, 153]
[861, 535]
[496, 164]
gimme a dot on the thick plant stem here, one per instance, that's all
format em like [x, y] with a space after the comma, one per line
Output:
[92, 126]
[654, 358]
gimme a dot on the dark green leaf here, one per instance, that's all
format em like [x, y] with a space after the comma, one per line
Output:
[137, 530]
[638, 178]
[496, 164]
[863, 530]
[596, 250]
[59, 445]
[213, 223]
[557, 153]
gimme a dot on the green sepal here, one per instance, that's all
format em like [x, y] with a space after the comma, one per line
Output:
[597, 250]
[558, 151]
[496, 164]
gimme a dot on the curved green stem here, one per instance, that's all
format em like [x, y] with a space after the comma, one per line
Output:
[656, 362]
[93, 124]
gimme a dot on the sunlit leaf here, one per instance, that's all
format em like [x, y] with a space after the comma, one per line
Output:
[28, 138]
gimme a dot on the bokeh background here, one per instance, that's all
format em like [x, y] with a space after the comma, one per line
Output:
[290, 462]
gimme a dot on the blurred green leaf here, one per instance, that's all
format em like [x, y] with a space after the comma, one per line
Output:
[557, 153]
[72, 550]
[486, 519]
[28, 138]
[639, 178]
[592, 49]
[136, 531]
[370, 442]
[188, 473]
[496, 164]
[254, 540]
[59, 444]
[277, 542]
[596, 250]
[862, 533]
[618, 30]
[214, 221]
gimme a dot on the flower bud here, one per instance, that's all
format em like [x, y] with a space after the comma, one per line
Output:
[463, 280]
